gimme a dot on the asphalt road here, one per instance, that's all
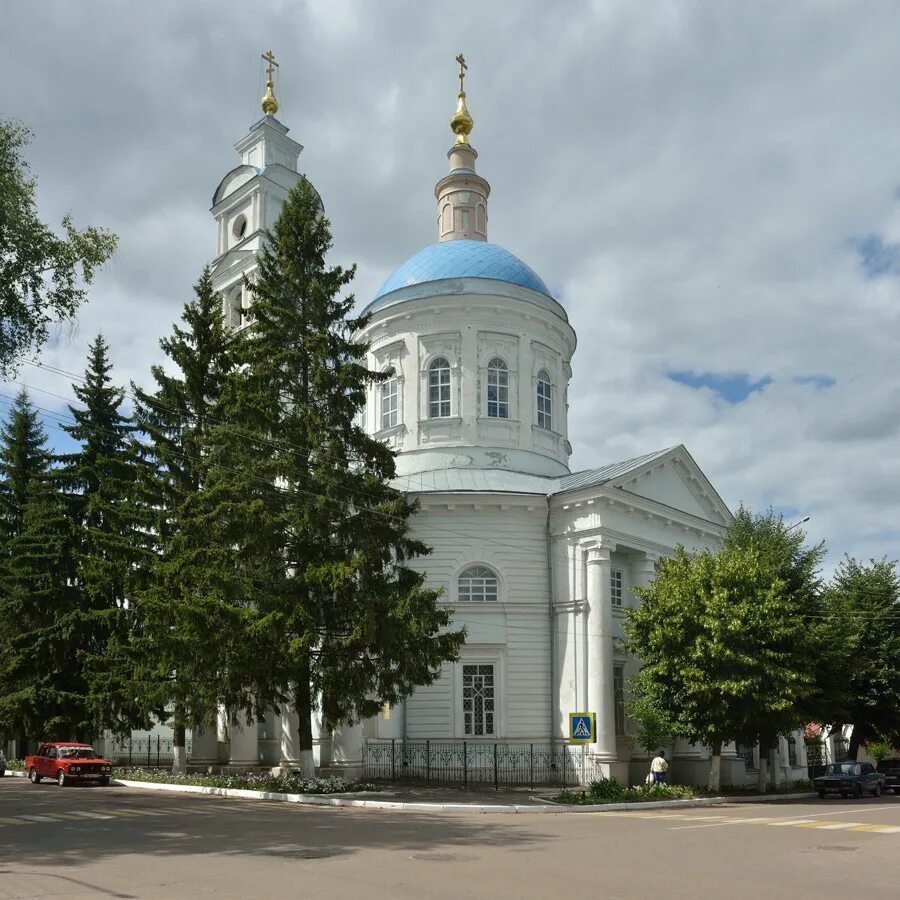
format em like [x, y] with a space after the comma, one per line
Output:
[86, 841]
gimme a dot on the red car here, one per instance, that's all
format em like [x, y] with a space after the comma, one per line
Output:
[67, 761]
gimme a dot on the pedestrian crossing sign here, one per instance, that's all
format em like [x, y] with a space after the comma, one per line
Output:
[582, 728]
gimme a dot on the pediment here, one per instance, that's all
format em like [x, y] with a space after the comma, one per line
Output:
[676, 481]
[232, 181]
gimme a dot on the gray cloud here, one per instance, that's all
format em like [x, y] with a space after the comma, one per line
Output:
[692, 180]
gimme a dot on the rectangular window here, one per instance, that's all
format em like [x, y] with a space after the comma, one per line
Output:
[619, 697]
[478, 700]
[389, 405]
[544, 405]
[615, 577]
[792, 751]
[465, 220]
[497, 390]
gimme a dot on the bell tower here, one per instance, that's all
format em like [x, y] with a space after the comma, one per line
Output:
[249, 199]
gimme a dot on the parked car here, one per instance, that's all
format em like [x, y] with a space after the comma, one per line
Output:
[850, 778]
[67, 761]
[890, 768]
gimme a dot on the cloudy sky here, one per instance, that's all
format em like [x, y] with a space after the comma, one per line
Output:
[712, 189]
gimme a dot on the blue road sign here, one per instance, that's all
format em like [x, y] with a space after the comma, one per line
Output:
[582, 728]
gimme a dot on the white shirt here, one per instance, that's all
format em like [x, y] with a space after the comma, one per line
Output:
[659, 764]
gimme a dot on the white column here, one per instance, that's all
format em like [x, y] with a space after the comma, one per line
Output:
[204, 746]
[346, 750]
[601, 696]
[644, 572]
[244, 745]
[289, 733]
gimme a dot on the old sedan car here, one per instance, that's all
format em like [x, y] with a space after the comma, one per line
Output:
[848, 778]
[67, 761]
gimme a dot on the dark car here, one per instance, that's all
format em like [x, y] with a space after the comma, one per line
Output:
[848, 778]
[890, 768]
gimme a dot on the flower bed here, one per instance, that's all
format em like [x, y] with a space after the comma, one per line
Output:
[252, 781]
[15, 765]
[610, 790]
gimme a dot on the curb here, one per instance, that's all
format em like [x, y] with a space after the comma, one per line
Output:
[346, 802]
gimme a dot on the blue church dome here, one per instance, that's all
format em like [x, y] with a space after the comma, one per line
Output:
[463, 259]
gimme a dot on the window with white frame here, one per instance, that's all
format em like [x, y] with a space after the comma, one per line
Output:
[390, 402]
[478, 584]
[619, 697]
[497, 389]
[615, 578]
[478, 699]
[439, 388]
[544, 401]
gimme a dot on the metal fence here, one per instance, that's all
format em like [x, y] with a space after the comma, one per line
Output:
[815, 758]
[143, 751]
[478, 763]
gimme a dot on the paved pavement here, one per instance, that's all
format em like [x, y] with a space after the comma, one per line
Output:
[86, 841]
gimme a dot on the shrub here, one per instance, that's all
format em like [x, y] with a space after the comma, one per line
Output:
[609, 790]
[15, 765]
[251, 781]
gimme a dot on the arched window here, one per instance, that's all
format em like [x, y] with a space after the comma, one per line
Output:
[478, 584]
[439, 388]
[497, 389]
[390, 402]
[544, 401]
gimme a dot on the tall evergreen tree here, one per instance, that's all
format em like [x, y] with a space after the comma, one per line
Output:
[174, 654]
[43, 692]
[23, 456]
[314, 539]
[105, 483]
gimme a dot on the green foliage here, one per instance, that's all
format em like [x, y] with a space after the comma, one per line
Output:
[15, 765]
[609, 790]
[652, 727]
[879, 750]
[42, 276]
[299, 540]
[865, 599]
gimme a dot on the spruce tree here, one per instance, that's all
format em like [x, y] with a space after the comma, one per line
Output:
[43, 691]
[174, 652]
[316, 540]
[113, 529]
[23, 456]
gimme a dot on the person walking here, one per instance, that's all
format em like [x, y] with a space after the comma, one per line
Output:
[659, 768]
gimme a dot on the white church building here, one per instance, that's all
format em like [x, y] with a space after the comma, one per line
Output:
[537, 561]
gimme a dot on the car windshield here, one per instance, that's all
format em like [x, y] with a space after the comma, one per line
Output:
[77, 753]
[842, 769]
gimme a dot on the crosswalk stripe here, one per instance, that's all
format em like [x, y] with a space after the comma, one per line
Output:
[93, 815]
[881, 829]
[815, 823]
[39, 818]
[6, 821]
[782, 824]
[140, 812]
[835, 826]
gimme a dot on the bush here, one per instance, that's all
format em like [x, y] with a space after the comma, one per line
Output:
[15, 765]
[609, 790]
[251, 781]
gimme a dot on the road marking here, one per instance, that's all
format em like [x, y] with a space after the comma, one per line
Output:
[39, 818]
[138, 812]
[839, 825]
[795, 821]
[880, 829]
[12, 822]
[92, 815]
[815, 823]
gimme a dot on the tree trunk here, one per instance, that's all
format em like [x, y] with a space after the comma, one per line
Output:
[179, 750]
[776, 765]
[762, 771]
[715, 766]
[853, 749]
[303, 705]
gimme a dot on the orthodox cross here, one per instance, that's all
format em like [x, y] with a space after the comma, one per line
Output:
[462, 70]
[269, 57]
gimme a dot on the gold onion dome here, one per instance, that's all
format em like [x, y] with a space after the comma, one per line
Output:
[269, 103]
[461, 121]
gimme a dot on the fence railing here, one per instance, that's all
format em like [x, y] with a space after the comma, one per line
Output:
[477, 763]
[152, 751]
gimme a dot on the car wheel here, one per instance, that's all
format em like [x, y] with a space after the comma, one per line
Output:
[877, 791]
[61, 779]
[821, 795]
[859, 790]
[33, 776]
[104, 781]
